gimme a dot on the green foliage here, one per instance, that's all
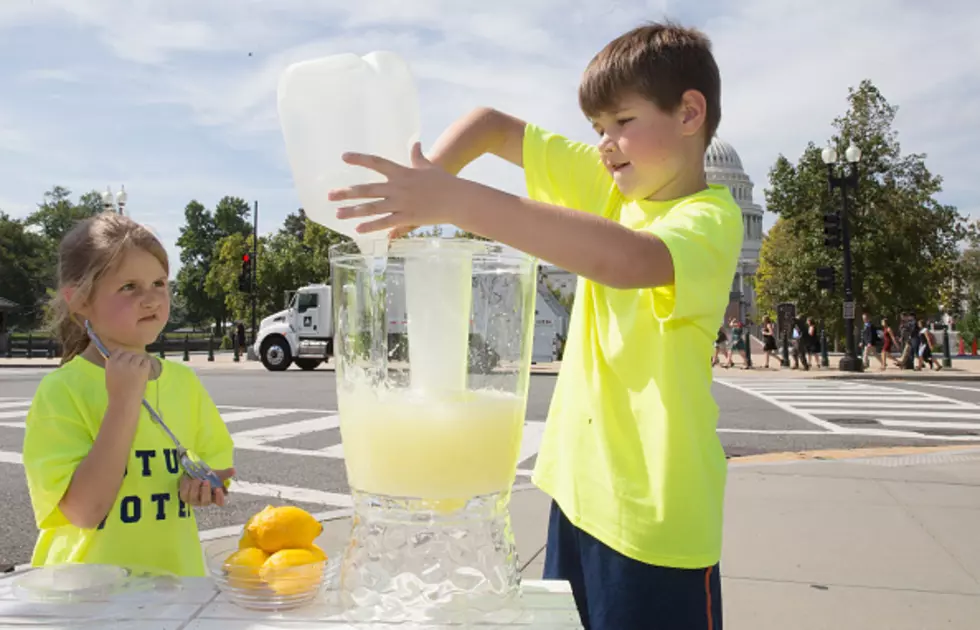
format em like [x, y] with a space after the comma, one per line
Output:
[198, 242]
[904, 242]
[26, 270]
[29, 251]
[296, 255]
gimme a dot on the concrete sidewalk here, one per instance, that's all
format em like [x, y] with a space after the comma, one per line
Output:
[878, 541]
[832, 540]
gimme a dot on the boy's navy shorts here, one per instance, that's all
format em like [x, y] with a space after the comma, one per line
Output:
[614, 592]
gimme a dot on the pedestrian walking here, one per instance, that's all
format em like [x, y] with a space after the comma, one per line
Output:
[926, 344]
[721, 348]
[769, 346]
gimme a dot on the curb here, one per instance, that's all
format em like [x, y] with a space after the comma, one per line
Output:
[846, 454]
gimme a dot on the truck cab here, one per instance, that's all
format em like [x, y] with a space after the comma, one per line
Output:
[303, 333]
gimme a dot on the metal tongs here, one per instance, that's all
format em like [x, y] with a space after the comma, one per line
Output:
[193, 465]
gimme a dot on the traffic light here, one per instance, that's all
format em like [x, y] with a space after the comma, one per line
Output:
[245, 277]
[831, 230]
[825, 278]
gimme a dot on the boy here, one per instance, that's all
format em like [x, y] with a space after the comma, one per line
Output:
[630, 454]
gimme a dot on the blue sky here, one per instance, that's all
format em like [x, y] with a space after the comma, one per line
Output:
[164, 98]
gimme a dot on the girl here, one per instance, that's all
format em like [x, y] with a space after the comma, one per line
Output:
[769, 337]
[105, 482]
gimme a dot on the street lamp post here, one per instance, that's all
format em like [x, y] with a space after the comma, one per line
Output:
[115, 203]
[850, 362]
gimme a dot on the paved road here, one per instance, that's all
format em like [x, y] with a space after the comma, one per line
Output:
[288, 443]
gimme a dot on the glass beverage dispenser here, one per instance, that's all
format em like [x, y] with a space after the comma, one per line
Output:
[433, 347]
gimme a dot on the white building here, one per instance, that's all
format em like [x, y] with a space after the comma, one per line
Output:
[722, 166]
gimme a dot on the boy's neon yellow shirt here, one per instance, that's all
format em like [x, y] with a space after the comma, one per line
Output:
[148, 525]
[630, 451]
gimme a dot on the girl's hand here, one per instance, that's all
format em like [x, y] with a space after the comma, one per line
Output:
[200, 493]
[422, 194]
[126, 374]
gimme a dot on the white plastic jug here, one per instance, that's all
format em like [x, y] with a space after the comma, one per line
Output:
[342, 103]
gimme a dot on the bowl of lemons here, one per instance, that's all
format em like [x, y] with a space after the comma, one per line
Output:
[274, 564]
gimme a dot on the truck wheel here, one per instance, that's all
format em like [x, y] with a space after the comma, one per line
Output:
[308, 364]
[275, 354]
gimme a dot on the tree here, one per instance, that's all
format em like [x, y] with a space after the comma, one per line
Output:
[285, 262]
[25, 270]
[903, 241]
[57, 215]
[198, 243]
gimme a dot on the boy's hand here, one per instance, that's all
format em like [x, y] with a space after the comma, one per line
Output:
[422, 194]
[200, 494]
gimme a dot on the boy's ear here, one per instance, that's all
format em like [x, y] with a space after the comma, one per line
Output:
[693, 110]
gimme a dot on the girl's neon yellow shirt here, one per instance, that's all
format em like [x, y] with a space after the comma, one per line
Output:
[148, 525]
[630, 451]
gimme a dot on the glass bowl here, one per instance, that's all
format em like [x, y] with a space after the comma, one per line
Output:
[287, 588]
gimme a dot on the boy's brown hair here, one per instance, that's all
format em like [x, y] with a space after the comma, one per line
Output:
[658, 62]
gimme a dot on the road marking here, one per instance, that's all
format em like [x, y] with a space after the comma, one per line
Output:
[245, 445]
[11, 405]
[774, 431]
[6, 457]
[812, 419]
[912, 424]
[926, 413]
[288, 430]
[238, 408]
[13, 414]
[335, 451]
[237, 416]
[13, 425]
[291, 493]
[531, 440]
[919, 404]
[958, 387]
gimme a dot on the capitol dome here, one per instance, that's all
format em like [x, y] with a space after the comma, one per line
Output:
[720, 154]
[723, 166]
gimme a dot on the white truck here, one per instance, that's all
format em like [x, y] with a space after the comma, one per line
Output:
[303, 333]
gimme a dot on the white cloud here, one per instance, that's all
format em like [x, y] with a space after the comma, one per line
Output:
[166, 97]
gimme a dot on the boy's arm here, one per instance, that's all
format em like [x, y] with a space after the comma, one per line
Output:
[584, 244]
[484, 130]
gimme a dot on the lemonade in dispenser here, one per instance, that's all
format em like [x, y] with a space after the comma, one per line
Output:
[432, 343]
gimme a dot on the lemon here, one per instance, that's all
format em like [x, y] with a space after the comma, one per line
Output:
[320, 554]
[287, 527]
[246, 542]
[292, 571]
[243, 567]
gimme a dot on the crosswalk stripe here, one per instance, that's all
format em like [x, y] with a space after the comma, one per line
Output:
[13, 414]
[6, 457]
[912, 424]
[246, 445]
[13, 425]
[288, 430]
[253, 414]
[799, 413]
[925, 413]
[11, 405]
[924, 405]
[291, 493]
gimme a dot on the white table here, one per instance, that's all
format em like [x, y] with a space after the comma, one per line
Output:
[200, 606]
